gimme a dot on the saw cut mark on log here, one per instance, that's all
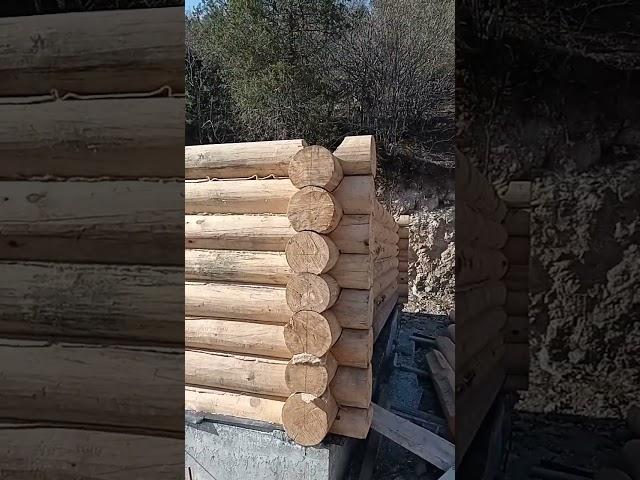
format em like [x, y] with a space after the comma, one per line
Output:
[420, 441]
[238, 160]
[312, 332]
[82, 52]
[315, 166]
[315, 209]
[310, 252]
[316, 293]
[307, 418]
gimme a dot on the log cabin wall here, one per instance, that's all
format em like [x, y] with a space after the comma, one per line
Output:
[405, 256]
[291, 271]
[91, 218]
[481, 297]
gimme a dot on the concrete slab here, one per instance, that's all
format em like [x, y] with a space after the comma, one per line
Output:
[223, 451]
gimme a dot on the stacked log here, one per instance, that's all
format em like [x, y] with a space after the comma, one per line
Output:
[289, 280]
[517, 251]
[480, 299]
[406, 256]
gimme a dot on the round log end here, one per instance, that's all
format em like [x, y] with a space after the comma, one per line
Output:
[311, 332]
[316, 293]
[315, 209]
[307, 373]
[315, 166]
[311, 252]
[307, 418]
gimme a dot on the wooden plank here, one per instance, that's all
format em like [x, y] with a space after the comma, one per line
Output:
[119, 51]
[122, 222]
[70, 452]
[418, 440]
[127, 138]
[443, 378]
[127, 304]
[99, 387]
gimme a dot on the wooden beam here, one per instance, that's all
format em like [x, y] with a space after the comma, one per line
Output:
[443, 378]
[357, 155]
[418, 440]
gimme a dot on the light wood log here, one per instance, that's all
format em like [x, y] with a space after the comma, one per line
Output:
[83, 52]
[241, 373]
[352, 386]
[244, 337]
[359, 271]
[316, 293]
[403, 266]
[311, 252]
[112, 455]
[357, 155]
[517, 250]
[381, 214]
[308, 418]
[238, 232]
[631, 454]
[92, 301]
[427, 445]
[354, 348]
[403, 277]
[306, 373]
[99, 387]
[312, 332]
[354, 308]
[518, 194]
[315, 166]
[381, 234]
[470, 303]
[128, 138]
[386, 292]
[267, 232]
[478, 333]
[385, 250]
[403, 244]
[475, 229]
[356, 194]
[242, 266]
[350, 421]
[443, 379]
[517, 303]
[315, 209]
[404, 220]
[238, 196]
[244, 302]
[403, 232]
[633, 420]
[382, 314]
[448, 350]
[516, 330]
[103, 222]
[517, 222]
[382, 283]
[403, 290]
[475, 265]
[516, 358]
[238, 160]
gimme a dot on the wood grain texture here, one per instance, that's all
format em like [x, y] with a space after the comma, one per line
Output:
[352, 386]
[93, 52]
[126, 138]
[312, 332]
[316, 293]
[315, 166]
[306, 373]
[311, 252]
[238, 160]
[308, 418]
[418, 440]
[123, 222]
[99, 387]
[73, 453]
[443, 377]
[354, 348]
[357, 155]
[315, 209]
[127, 304]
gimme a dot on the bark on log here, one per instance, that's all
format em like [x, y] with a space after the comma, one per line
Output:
[242, 266]
[354, 348]
[312, 332]
[103, 222]
[129, 138]
[308, 418]
[478, 333]
[315, 209]
[315, 166]
[306, 373]
[357, 155]
[237, 160]
[470, 303]
[244, 302]
[316, 293]
[83, 52]
[99, 387]
[352, 387]
[110, 454]
[443, 379]
[350, 422]
[129, 304]
[244, 337]
[310, 252]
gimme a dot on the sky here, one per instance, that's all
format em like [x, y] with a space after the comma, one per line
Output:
[189, 4]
